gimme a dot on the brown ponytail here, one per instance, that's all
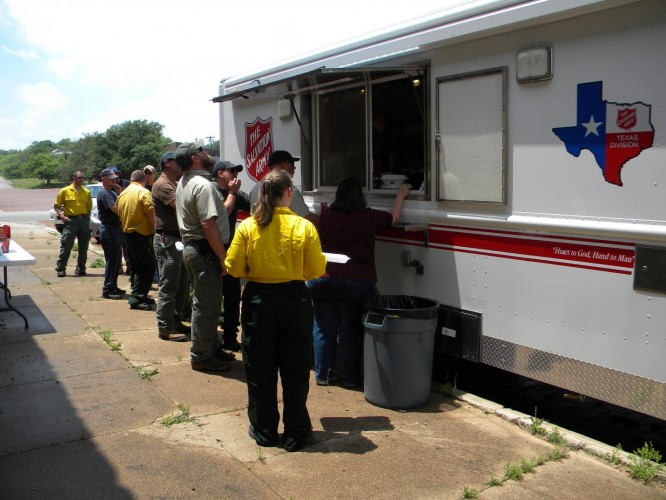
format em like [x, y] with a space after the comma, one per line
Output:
[273, 186]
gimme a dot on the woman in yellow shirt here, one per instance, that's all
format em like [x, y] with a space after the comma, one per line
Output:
[277, 251]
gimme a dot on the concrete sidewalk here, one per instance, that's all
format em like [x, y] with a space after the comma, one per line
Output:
[79, 419]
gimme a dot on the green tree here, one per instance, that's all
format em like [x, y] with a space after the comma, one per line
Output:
[10, 164]
[47, 166]
[41, 147]
[129, 145]
[89, 155]
[134, 144]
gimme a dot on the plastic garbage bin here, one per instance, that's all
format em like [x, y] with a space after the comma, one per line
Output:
[399, 342]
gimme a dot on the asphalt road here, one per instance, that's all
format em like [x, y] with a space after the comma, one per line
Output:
[25, 205]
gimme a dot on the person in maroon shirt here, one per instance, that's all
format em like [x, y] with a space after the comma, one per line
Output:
[348, 227]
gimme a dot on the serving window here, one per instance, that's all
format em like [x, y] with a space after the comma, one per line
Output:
[471, 137]
[375, 130]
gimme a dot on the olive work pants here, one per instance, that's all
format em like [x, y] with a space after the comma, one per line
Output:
[173, 282]
[203, 267]
[75, 229]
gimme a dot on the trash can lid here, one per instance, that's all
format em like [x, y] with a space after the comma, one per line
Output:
[403, 306]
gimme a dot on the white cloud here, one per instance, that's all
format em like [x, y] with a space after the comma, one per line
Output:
[65, 69]
[161, 60]
[42, 98]
[21, 53]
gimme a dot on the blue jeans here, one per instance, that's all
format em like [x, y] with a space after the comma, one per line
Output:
[203, 266]
[338, 307]
[111, 239]
[173, 282]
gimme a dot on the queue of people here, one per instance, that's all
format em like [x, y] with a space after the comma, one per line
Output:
[187, 222]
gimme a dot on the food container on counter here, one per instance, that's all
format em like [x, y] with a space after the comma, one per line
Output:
[392, 181]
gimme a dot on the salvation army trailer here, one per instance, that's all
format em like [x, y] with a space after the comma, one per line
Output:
[531, 135]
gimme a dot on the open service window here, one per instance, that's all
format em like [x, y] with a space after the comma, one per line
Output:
[471, 133]
[374, 129]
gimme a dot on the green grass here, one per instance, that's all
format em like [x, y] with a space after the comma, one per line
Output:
[536, 426]
[516, 471]
[614, 458]
[36, 184]
[645, 463]
[513, 472]
[106, 336]
[557, 454]
[98, 263]
[527, 466]
[148, 375]
[470, 492]
[494, 481]
[182, 417]
[556, 437]
[448, 387]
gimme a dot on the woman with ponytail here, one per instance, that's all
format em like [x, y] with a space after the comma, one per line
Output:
[276, 251]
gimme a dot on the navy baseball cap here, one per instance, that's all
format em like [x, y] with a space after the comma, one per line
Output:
[167, 156]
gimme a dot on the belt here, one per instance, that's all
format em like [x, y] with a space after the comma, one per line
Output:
[173, 234]
[280, 283]
[75, 216]
[202, 246]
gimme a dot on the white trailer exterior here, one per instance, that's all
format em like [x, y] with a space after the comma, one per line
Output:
[531, 132]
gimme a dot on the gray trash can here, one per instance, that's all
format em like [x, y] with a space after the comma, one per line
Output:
[399, 342]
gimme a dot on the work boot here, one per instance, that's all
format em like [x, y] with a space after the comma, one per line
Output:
[172, 336]
[211, 365]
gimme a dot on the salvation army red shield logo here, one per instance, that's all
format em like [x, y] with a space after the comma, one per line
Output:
[626, 118]
[258, 147]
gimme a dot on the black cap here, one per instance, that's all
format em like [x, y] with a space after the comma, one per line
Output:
[226, 165]
[280, 156]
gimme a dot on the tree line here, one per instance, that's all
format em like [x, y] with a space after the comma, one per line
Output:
[129, 145]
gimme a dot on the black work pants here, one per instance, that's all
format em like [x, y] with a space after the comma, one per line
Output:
[141, 260]
[231, 291]
[277, 324]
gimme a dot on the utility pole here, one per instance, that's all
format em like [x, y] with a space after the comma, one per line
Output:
[210, 140]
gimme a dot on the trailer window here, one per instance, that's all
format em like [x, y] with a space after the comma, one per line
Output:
[342, 135]
[373, 130]
[471, 125]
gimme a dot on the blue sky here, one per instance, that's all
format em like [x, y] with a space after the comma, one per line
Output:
[70, 67]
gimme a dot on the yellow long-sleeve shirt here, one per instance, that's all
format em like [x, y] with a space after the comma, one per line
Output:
[287, 249]
[74, 202]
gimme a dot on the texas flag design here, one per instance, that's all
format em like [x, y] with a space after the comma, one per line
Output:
[613, 132]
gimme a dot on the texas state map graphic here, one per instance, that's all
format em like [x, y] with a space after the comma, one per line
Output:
[613, 132]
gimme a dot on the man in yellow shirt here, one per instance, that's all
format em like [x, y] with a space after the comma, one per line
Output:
[73, 205]
[135, 209]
